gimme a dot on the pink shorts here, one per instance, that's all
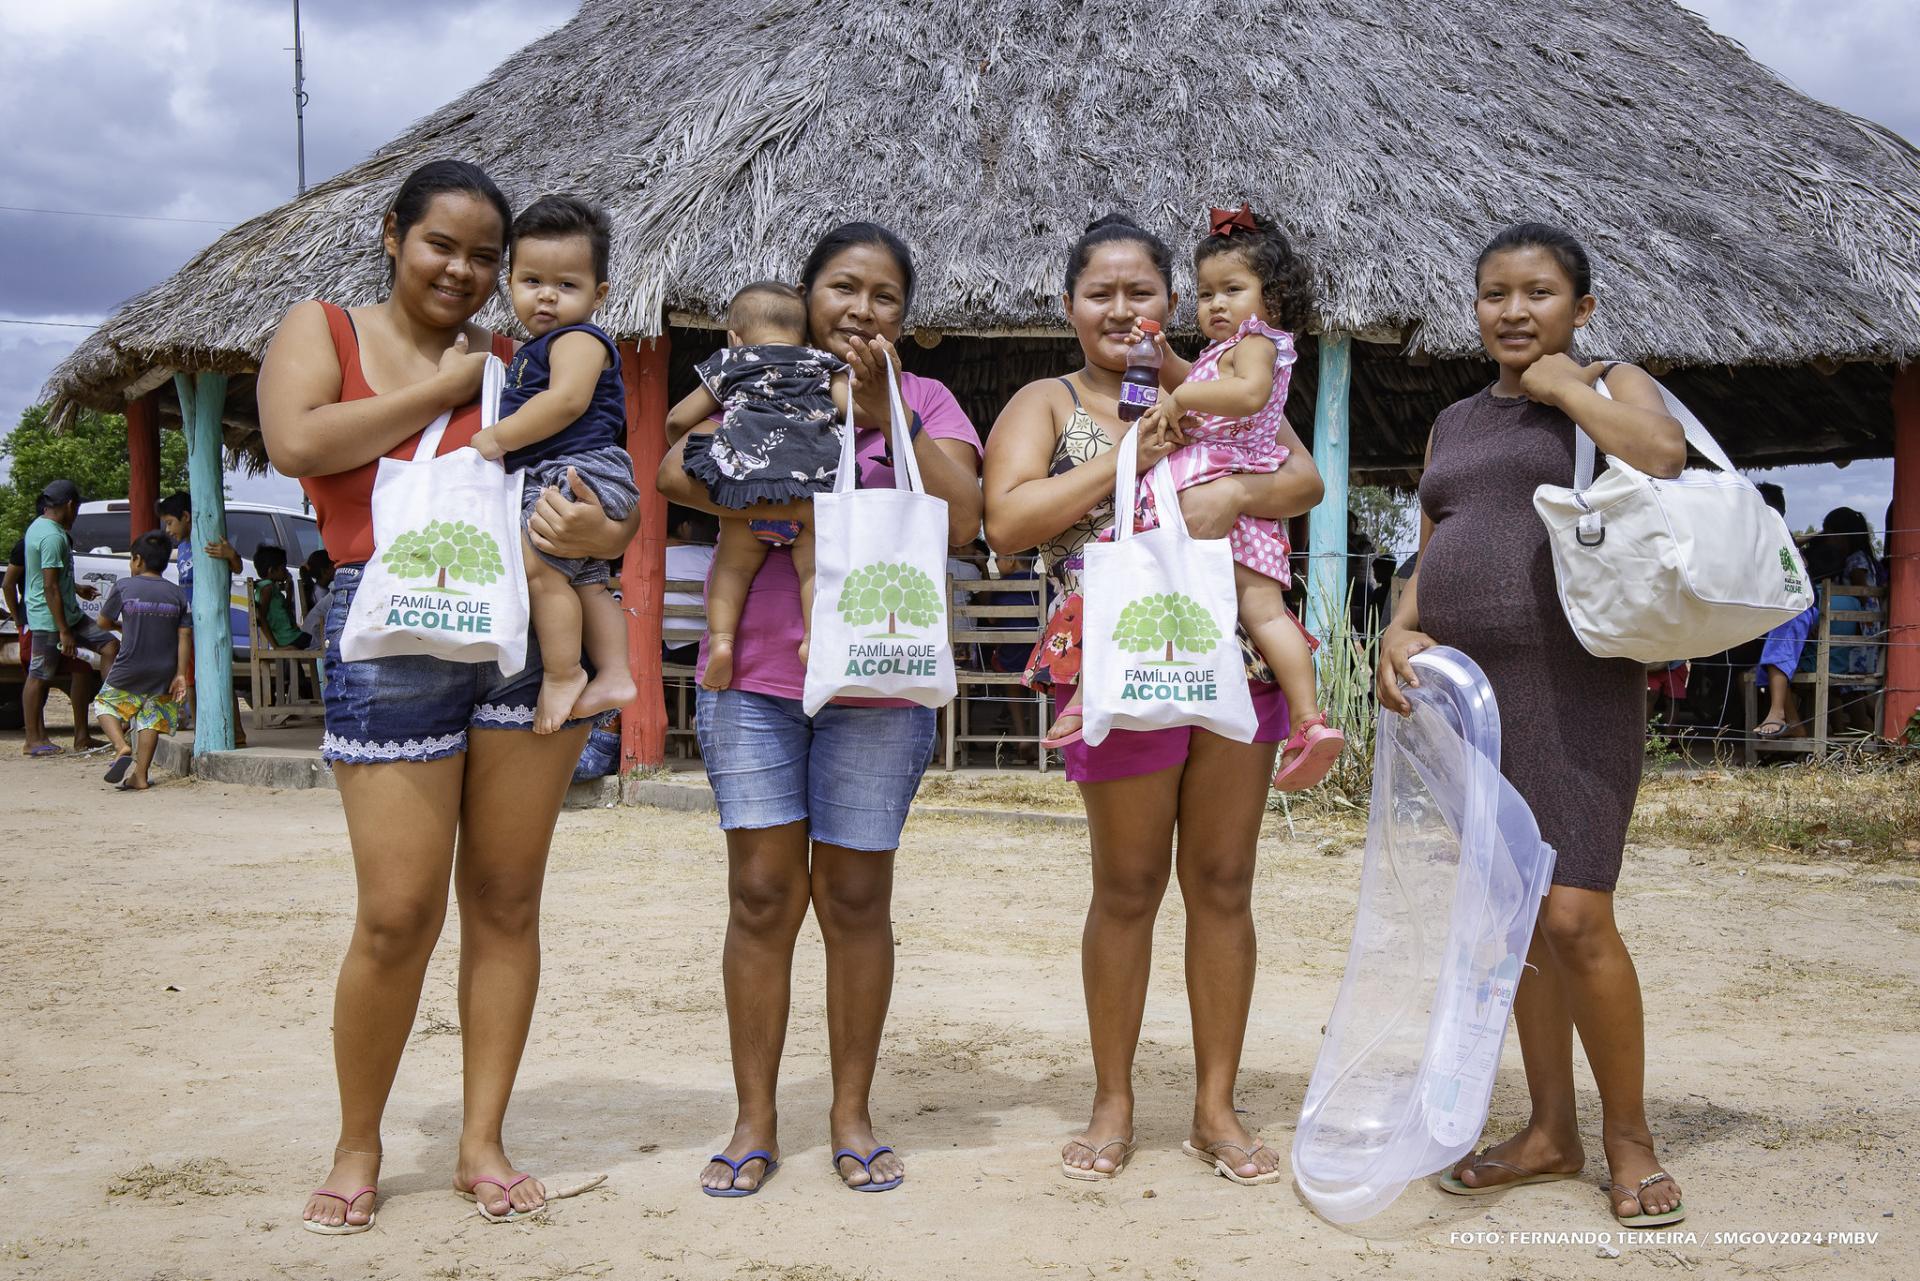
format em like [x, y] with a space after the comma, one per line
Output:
[1129, 753]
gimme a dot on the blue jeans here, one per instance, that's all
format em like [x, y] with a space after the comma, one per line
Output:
[851, 772]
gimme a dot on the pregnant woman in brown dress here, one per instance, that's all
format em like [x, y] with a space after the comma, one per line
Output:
[1572, 726]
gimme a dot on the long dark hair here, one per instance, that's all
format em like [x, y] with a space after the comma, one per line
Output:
[1568, 252]
[1117, 228]
[846, 236]
[432, 179]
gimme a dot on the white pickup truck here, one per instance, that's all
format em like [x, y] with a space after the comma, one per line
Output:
[100, 557]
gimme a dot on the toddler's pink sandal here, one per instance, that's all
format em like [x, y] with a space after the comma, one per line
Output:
[1319, 746]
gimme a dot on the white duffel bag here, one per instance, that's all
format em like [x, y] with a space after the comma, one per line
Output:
[1158, 648]
[447, 577]
[879, 624]
[1657, 570]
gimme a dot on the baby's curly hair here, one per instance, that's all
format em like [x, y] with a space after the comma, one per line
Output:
[1284, 283]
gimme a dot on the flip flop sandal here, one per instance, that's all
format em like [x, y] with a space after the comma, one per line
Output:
[1072, 736]
[553, 1194]
[1319, 747]
[1760, 730]
[1210, 1155]
[1126, 1147]
[1616, 1192]
[1521, 1177]
[866, 1163]
[50, 749]
[344, 1229]
[758, 1154]
[118, 770]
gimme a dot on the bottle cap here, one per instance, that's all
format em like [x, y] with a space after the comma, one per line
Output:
[1149, 326]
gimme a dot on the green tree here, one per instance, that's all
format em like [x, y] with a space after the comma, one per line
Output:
[1390, 518]
[91, 452]
[448, 547]
[898, 593]
[1173, 620]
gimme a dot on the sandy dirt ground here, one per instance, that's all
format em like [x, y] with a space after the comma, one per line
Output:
[168, 1095]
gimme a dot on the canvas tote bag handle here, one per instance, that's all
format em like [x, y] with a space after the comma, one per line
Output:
[1697, 435]
[491, 384]
[906, 468]
[1126, 488]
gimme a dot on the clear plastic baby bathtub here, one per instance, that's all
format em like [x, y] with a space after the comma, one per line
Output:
[1454, 873]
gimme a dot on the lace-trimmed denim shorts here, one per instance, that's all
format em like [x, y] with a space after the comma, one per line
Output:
[413, 707]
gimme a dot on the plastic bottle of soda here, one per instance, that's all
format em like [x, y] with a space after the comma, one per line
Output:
[1140, 385]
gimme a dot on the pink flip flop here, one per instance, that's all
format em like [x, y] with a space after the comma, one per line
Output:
[1067, 739]
[344, 1229]
[1319, 747]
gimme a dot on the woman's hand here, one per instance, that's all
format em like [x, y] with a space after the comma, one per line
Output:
[1548, 379]
[1160, 435]
[1211, 508]
[867, 363]
[574, 527]
[460, 373]
[1398, 645]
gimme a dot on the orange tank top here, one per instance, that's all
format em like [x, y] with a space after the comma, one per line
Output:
[343, 502]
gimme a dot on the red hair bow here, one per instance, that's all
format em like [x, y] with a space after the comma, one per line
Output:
[1226, 221]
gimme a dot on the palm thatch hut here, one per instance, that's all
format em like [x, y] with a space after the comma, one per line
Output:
[1761, 248]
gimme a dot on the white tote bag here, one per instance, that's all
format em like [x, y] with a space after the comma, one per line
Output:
[1158, 646]
[1657, 570]
[447, 577]
[879, 583]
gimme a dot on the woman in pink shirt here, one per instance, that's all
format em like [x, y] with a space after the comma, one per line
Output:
[1049, 484]
[812, 807]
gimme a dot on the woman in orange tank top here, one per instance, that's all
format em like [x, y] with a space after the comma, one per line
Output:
[435, 769]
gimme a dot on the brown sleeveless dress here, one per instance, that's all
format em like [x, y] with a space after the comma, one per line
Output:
[1573, 727]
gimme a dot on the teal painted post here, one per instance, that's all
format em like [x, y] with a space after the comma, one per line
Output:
[202, 396]
[1327, 526]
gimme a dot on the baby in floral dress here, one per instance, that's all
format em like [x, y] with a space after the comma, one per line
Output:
[1232, 400]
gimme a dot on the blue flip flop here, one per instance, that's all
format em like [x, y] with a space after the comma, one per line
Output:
[866, 1163]
[758, 1154]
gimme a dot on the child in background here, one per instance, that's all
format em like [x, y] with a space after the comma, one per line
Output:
[1231, 402]
[776, 442]
[273, 598]
[144, 689]
[563, 417]
[176, 522]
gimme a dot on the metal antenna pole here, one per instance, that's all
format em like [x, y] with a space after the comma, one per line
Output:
[299, 101]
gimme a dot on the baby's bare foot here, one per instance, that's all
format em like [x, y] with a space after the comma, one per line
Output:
[558, 694]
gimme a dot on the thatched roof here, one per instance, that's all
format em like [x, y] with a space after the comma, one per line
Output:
[1733, 221]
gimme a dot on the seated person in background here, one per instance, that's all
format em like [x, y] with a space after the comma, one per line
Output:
[273, 599]
[1780, 652]
[319, 589]
[690, 540]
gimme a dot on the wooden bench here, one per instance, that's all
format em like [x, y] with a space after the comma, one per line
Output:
[275, 674]
[1871, 618]
[975, 625]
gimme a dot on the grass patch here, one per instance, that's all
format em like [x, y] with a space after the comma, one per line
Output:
[1028, 790]
[1865, 810]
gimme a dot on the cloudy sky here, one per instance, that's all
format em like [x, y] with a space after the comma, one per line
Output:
[180, 112]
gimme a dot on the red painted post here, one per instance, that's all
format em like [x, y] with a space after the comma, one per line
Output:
[1903, 556]
[143, 464]
[643, 723]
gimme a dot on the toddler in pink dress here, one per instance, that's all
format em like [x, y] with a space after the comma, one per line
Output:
[1231, 403]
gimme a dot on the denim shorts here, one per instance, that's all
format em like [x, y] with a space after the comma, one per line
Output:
[851, 772]
[43, 664]
[413, 707]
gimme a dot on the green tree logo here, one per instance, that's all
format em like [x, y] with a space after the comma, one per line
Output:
[452, 548]
[897, 593]
[1172, 620]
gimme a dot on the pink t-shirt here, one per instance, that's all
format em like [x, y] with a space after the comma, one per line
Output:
[766, 657]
